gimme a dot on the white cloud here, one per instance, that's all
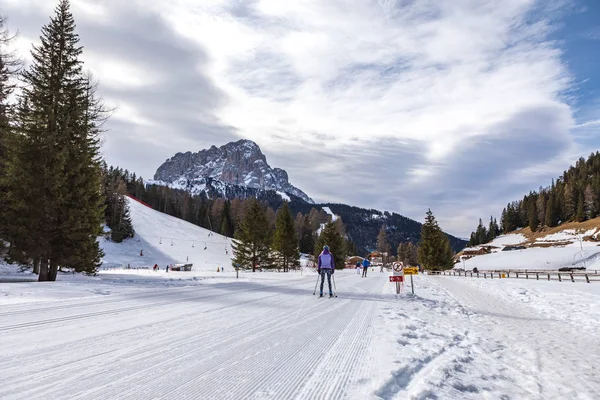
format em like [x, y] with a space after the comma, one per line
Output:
[434, 80]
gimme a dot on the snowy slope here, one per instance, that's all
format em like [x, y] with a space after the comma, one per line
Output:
[268, 337]
[562, 249]
[167, 240]
[537, 258]
[328, 211]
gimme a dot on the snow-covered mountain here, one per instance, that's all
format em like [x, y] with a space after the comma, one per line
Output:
[231, 167]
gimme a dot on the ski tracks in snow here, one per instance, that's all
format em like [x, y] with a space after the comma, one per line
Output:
[249, 341]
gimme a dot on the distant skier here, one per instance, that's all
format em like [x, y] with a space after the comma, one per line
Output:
[326, 266]
[358, 268]
[365, 265]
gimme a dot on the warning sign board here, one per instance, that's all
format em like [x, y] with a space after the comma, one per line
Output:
[411, 271]
[398, 278]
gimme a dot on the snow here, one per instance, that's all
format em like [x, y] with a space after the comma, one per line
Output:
[137, 333]
[266, 336]
[284, 195]
[566, 235]
[167, 240]
[535, 258]
[509, 239]
[328, 211]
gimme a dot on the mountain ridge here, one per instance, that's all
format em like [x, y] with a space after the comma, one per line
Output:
[217, 169]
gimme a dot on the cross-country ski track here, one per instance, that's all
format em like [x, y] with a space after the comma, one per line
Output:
[269, 338]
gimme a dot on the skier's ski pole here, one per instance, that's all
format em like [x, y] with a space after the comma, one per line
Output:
[316, 283]
[334, 288]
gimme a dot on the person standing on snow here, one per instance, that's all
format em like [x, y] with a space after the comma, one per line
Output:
[366, 265]
[358, 268]
[326, 266]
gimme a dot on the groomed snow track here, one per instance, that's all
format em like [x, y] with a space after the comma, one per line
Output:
[233, 340]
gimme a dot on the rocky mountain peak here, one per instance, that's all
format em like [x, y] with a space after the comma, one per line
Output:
[240, 163]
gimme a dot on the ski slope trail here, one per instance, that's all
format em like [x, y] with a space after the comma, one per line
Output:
[247, 340]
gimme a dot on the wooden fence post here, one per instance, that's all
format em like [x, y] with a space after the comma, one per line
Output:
[517, 275]
[548, 276]
[559, 278]
[508, 274]
[484, 275]
[537, 276]
[478, 274]
[572, 277]
[526, 275]
[587, 278]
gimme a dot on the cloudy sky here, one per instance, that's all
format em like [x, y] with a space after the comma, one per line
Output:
[402, 105]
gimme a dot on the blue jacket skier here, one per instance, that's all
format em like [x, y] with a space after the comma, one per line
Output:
[366, 265]
[326, 266]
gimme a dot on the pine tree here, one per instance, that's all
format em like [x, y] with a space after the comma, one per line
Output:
[491, 233]
[382, 244]
[481, 233]
[252, 244]
[8, 69]
[533, 221]
[540, 207]
[402, 252]
[285, 240]
[412, 254]
[580, 215]
[434, 249]
[227, 224]
[589, 202]
[329, 236]
[550, 218]
[497, 228]
[53, 173]
[307, 241]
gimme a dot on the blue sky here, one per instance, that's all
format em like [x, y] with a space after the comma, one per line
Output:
[403, 105]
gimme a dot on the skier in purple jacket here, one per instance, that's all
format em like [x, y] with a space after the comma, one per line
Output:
[326, 266]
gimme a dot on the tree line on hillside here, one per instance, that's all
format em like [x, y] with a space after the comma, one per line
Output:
[50, 165]
[575, 196]
[264, 232]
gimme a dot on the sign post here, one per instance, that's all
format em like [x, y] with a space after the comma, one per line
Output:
[398, 276]
[411, 271]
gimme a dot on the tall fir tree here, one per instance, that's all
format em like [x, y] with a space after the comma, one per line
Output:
[533, 216]
[330, 237]
[53, 174]
[307, 241]
[580, 214]
[550, 218]
[491, 233]
[382, 244]
[8, 69]
[434, 248]
[285, 240]
[116, 213]
[227, 224]
[252, 244]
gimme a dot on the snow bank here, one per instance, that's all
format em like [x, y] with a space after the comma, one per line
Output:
[566, 235]
[510, 239]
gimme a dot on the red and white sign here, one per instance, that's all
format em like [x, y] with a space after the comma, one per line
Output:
[398, 278]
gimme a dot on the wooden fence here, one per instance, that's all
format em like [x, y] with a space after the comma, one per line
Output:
[567, 276]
